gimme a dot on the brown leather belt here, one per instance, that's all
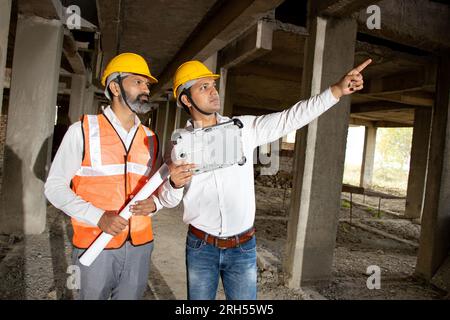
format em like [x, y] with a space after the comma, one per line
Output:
[223, 243]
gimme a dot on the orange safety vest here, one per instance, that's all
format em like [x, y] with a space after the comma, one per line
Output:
[110, 174]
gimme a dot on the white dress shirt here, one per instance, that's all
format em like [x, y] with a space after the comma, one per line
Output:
[222, 202]
[68, 161]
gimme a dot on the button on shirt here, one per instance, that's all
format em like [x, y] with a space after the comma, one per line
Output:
[222, 202]
[68, 161]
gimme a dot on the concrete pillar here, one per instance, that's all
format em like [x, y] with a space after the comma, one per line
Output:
[95, 105]
[161, 120]
[31, 116]
[319, 159]
[169, 126]
[211, 62]
[435, 231]
[177, 122]
[226, 92]
[418, 163]
[163, 133]
[5, 13]
[184, 117]
[88, 101]
[152, 119]
[368, 158]
[225, 84]
[77, 91]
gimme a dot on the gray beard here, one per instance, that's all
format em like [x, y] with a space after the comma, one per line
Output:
[140, 108]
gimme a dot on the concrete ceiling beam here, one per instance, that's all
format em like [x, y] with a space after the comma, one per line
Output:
[380, 54]
[48, 9]
[414, 80]
[355, 121]
[408, 22]
[71, 52]
[52, 9]
[278, 25]
[109, 23]
[271, 71]
[420, 98]
[214, 33]
[341, 8]
[377, 106]
[392, 124]
[403, 21]
[253, 44]
[360, 122]
[252, 90]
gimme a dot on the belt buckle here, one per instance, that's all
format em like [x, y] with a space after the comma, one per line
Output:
[216, 242]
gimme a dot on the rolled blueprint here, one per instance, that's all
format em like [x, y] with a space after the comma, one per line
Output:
[147, 190]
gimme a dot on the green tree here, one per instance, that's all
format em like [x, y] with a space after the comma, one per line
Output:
[394, 146]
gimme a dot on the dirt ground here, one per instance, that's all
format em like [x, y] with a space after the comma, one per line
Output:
[35, 267]
[377, 236]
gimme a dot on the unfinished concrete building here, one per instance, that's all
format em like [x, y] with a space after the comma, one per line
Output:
[270, 54]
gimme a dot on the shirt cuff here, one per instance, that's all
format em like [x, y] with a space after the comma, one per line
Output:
[158, 204]
[178, 192]
[93, 215]
[328, 97]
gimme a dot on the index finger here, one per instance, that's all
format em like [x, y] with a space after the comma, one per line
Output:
[363, 65]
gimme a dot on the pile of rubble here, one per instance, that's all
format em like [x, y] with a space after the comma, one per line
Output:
[282, 180]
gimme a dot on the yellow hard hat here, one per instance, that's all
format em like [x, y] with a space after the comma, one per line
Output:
[191, 70]
[129, 63]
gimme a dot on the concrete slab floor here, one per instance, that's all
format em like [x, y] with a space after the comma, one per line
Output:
[35, 267]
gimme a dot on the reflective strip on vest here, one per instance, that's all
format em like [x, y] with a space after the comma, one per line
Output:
[152, 145]
[114, 169]
[147, 131]
[95, 149]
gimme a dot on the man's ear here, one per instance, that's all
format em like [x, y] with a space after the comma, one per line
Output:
[185, 100]
[114, 89]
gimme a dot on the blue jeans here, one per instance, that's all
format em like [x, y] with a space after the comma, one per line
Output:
[235, 266]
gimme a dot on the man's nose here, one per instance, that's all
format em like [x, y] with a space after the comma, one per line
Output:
[214, 91]
[146, 89]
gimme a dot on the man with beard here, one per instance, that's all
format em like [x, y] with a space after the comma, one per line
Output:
[102, 162]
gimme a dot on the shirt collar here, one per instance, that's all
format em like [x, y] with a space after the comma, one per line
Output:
[109, 113]
[191, 125]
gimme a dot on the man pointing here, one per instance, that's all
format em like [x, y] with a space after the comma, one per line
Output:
[219, 206]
